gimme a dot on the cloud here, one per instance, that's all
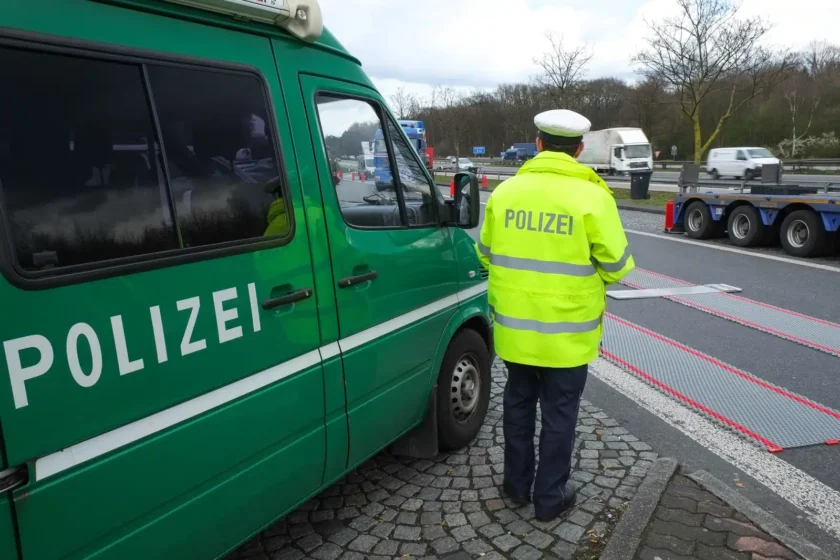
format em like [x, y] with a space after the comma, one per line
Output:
[477, 43]
[482, 43]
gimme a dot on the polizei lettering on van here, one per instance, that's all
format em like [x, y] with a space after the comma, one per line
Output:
[544, 222]
[82, 338]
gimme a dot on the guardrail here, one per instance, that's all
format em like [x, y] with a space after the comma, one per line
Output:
[789, 164]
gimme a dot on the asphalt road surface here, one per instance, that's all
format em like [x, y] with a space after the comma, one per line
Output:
[798, 485]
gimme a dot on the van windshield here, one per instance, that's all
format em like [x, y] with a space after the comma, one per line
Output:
[637, 150]
[760, 153]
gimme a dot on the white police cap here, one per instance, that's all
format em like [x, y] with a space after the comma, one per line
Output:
[562, 122]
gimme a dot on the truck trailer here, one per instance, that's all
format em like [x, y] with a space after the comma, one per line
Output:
[617, 150]
[803, 220]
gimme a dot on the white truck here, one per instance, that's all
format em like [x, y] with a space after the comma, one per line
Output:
[617, 150]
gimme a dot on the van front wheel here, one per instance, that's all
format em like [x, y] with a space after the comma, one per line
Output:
[463, 390]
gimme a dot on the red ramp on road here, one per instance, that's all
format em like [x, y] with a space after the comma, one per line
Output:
[809, 331]
[762, 412]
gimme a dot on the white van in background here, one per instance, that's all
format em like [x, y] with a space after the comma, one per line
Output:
[739, 162]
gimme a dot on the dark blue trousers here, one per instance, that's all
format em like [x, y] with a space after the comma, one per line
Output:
[558, 391]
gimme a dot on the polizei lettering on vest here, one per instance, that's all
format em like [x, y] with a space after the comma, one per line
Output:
[32, 356]
[544, 222]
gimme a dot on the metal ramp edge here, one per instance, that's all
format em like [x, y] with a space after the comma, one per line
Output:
[763, 413]
[814, 333]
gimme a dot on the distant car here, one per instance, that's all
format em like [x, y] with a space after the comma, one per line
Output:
[464, 164]
[451, 159]
[739, 162]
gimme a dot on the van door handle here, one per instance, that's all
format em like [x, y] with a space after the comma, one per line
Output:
[358, 279]
[287, 299]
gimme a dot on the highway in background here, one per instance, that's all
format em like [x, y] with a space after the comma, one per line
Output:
[671, 176]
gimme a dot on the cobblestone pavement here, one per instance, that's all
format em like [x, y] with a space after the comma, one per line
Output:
[452, 507]
[692, 523]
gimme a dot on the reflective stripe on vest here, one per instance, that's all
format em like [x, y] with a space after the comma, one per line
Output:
[560, 327]
[616, 266]
[534, 265]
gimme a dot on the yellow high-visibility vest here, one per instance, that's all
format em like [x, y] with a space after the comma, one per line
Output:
[552, 240]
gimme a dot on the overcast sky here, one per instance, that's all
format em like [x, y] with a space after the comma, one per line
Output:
[481, 43]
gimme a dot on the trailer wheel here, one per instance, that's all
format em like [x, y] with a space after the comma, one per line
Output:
[803, 234]
[745, 228]
[698, 221]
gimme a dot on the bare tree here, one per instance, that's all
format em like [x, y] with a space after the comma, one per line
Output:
[813, 72]
[646, 100]
[802, 95]
[822, 58]
[707, 49]
[562, 68]
[402, 103]
[451, 119]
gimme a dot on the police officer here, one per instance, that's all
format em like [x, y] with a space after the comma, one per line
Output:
[552, 240]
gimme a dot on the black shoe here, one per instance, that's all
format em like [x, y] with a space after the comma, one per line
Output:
[569, 499]
[516, 498]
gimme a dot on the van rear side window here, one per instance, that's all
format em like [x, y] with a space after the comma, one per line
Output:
[86, 183]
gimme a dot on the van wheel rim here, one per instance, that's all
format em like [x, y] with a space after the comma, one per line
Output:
[695, 220]
[741, 226]
[465, 388]
[798, 234]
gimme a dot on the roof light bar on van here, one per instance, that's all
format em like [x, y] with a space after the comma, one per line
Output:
[301, 18]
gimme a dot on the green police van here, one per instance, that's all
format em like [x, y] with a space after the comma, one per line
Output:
[203, 325]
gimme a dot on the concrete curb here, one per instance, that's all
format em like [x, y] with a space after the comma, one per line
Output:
[627, 536]
[639, 207]
[761, 518]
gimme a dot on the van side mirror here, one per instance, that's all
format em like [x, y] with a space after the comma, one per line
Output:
[467, 200]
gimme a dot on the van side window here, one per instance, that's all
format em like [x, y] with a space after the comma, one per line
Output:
[742, 156]
[418, 192]
[219, 152]
[350, 128]
[80, 178]
[85, 179]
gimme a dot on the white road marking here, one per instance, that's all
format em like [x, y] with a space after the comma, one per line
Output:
[820, 503]
[728, 249]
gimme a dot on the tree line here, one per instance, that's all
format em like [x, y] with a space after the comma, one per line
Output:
[706, 79]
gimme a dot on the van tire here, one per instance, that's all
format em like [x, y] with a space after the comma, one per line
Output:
[715, 175]
[463, 383]
[802, 234]
[745, 228]
[698, 222]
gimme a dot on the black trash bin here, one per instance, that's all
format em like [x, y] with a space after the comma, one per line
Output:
[640, 184]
